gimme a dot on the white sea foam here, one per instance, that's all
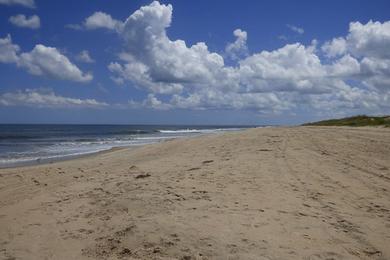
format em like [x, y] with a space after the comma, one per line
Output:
[52, 148]
[186, 131]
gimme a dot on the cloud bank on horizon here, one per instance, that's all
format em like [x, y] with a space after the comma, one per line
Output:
[344, 74]
[268, 81]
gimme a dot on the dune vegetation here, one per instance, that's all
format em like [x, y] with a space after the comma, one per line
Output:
[360, 120]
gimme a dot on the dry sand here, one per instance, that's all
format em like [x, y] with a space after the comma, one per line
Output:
[273, 193]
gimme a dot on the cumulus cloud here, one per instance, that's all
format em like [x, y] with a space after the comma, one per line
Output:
[49, 61]
[371, 39]
[350, 73]
[335, 47]
[152, 102]
[8, 50]
[363, 40]
[295, 28]
[153, 61]
[25, 3]
[237, 49]
[102, 20]
[294, 67]
[46, 98]
[345, 67]
[260, 102]
[98, 20]
[20, 20]
[42, 61]
[368, 45]
[84, 56]
[348, 99]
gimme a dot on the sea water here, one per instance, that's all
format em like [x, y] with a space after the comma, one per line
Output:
[30, 144]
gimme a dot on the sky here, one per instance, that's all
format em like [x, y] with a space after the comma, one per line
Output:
[193, 62]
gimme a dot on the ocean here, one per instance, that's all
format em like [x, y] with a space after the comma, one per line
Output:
[32, 144]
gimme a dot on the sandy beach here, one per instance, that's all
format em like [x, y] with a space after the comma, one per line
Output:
[267, 193]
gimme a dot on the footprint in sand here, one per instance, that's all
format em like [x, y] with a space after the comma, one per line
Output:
[35, 181]
[193, 169]
[207, 161]
[133, 167]
[325, 256]
[142, 176]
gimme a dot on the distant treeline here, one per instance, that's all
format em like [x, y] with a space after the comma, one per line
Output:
[360, 120]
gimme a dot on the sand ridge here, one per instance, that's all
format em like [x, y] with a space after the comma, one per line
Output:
[269, 193]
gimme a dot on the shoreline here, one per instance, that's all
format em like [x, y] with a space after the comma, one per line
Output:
[46, 161]
[262, 193]
[83, 155]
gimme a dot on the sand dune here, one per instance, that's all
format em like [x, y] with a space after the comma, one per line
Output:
[271, 193]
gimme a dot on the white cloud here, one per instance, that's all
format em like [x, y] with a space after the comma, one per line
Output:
[8, 50]
[282, 37]
[50, 62]
[351, 99]
[138, 74]
[335, 47]
[349, 73]
[363, 40]
[295, 28]
[237, 49]
[291, 68]
[102, 20]
[368, 44]
[98, 20]
[371, 39]
[46, 98]
[154, 62]
[42, 61]
[376, 72]
[74, 26]
[84, 56]
[153, 102]
[25, 3]
[346, 66]
[209, 99]
[353, 77]
[20, 20]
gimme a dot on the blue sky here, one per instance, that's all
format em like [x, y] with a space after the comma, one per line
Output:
[192, 62]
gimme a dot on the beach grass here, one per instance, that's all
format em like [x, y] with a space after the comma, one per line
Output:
[360, 120]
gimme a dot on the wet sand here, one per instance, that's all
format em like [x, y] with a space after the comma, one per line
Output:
[270, 193]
